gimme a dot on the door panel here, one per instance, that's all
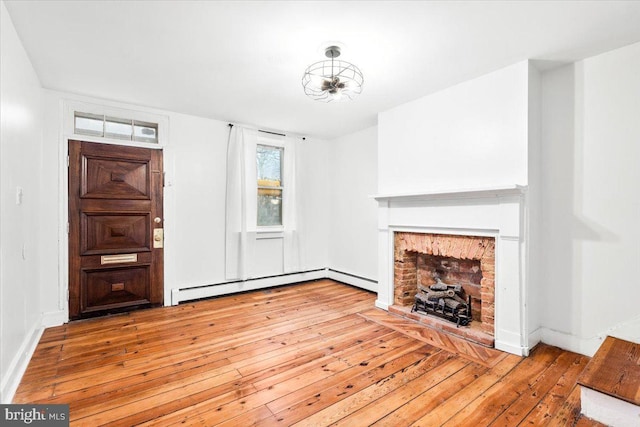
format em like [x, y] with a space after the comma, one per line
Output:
[115, 193]
[111, 179]
[114, 288]
[115, 233]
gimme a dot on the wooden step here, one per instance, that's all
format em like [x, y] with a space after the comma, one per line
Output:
[615, 370]
[610, 383]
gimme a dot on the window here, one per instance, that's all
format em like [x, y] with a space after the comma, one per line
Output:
[114, 127]
[269, 166]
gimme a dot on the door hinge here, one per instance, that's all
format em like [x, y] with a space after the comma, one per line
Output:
[67, 161]
[67, 228]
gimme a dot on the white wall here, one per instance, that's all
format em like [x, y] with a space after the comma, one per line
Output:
[314, 171]
[591, 200]
[472, 135]
[195, 202]
[20, 254]
[353, 214]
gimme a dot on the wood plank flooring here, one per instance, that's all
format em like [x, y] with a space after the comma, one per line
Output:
[312, 354]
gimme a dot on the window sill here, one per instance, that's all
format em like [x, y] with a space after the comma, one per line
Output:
[270, 233]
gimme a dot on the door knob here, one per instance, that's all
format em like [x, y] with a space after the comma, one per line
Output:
[157, 220]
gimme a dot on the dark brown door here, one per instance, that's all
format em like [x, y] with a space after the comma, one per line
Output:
[115, 228]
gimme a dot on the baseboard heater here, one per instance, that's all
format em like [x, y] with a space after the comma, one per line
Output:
[179, 295]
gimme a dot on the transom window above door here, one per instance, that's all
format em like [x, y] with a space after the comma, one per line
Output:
[105, 126]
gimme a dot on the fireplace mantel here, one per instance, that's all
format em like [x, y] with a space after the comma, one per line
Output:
[461, 193]
[499, 212]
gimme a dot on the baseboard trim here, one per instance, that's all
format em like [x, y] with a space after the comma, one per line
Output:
[18, 366]
[54, 318]
[510, 348]
[189, 294]
[382, 305]
[352, 279]
[585, 346]
[535, 337]
[179, 295]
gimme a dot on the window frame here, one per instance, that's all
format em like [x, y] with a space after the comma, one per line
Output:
[71, 107]
[106, 120]
[275, 230]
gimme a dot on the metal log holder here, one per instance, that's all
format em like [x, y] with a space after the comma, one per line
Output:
[460, 314]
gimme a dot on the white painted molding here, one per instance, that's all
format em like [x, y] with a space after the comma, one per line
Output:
[465, 193]
[585, 346]
[187, 294]
[477, 232]
[513, 349]
[175, 296]
[54, 318]
[382, 305]
[535, 337]
[608, 410]
[18, 365]
[247, 285]
[350, 279]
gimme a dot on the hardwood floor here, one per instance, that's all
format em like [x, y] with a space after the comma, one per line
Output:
[312, 354]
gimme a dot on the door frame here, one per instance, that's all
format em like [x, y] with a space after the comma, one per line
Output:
[68, 108]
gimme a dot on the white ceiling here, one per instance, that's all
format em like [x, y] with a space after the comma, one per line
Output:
[242, 61]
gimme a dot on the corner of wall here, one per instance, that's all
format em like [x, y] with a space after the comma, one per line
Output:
[533, 204]
[18, 366]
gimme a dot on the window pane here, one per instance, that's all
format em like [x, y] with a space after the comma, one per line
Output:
[89, 124]
[269, 165]
[269, 206]
[117, 128]
[145, 132]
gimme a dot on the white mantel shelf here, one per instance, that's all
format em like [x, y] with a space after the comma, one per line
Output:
[468, 193]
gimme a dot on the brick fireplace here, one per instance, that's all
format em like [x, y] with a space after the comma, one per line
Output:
[469, 261]
[476, 238]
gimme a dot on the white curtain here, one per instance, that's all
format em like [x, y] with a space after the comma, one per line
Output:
[290, 215]
[240, 203]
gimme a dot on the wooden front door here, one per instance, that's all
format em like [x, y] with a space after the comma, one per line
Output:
[115, 228]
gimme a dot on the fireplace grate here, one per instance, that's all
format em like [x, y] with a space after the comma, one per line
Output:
[444, 301]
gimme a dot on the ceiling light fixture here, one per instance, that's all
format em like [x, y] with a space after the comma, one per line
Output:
[332, 79]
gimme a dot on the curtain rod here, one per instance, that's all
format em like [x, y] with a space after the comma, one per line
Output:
[269, 132]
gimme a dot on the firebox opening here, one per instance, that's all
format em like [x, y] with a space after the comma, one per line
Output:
[423, 259]
[452, 271]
